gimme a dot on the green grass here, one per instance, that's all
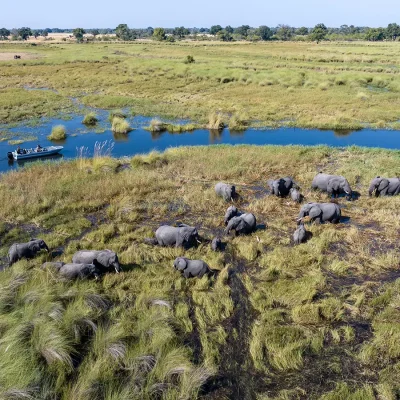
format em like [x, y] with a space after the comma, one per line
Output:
[342, 85]
[274, 315]
[58, 132]
[90, 119]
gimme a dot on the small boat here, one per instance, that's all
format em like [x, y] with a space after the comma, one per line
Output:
[24, 154]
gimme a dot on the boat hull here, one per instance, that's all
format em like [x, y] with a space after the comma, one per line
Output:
[37, 154]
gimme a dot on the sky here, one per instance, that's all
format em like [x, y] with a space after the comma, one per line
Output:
[196, 13]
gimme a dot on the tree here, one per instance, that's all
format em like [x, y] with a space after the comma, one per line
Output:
[45, 33]
[150, 31]
[375, 34]
[264, 32]
[229, 29]
[24, 33]
[284, 32]
[4, 33]
[319, 33]
[181, 32]
[303, 31]
[123, 32]
[78, 33]
[224, 36]
[392, 31]
[95, 32]
[159, 34]
[215, 29]
[242, 30]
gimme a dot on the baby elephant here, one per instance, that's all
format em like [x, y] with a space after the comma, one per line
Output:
[79, 271]
[216, 244]
[320, 212]
[105, 260]
[300, 235]
[18, 251]
[231, 212]
[191, 268]
[295, 195]
[243, 224]
[227, 192]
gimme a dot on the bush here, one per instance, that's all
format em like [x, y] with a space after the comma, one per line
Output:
[156, 126]
[119, 125]
[189, 60]
[90, 119]
[116, 114]
[58, 133]
[215, 122]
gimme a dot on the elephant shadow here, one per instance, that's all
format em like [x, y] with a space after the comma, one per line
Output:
[344, 220]
[261, 227]
[129, 267]
[57, 253]
[309, 235]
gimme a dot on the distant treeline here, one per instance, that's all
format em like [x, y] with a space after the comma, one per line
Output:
[217, 32]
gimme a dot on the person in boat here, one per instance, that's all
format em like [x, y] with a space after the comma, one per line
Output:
[38, 148]
[19, 151]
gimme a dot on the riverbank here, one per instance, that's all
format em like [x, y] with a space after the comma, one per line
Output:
[316, 321]
[349, 85]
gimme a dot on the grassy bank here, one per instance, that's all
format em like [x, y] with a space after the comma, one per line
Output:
[329, 85]
[316, 321]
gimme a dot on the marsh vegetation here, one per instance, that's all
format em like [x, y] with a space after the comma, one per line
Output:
[342, 85]
[314, 321]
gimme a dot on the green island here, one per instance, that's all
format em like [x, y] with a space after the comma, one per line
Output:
[275, 322]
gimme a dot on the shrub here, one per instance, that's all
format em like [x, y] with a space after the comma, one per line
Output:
[156, 126]
[58, 133]
[116, 113]
[238, 122]
[119, 125]
[189, 60]
[90, 119]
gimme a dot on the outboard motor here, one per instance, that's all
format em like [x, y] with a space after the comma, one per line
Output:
[10, 156]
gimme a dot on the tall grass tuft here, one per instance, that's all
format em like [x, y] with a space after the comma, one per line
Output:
[238, 122]
[215, 122]
[156, 126]
[119, 125]
[58, 133]
[90, 119]
[116, 114]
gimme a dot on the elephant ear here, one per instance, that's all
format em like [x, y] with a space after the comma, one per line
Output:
[188, 232]
[333, 184]
[103, 259]
[383, 184]
[315, 212]
[242, 224]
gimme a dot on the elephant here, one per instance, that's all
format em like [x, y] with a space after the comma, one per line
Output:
[18, 251]
[216, 244]
[332, 184]
[231, 212]
[56, 265]
[320, 212]
[243, 224]
[295, 195]
[227, 192]
[281, 187]
[181, 235]
[384, 186]
[104, 260]
[82, 271]
[191, 268]
[300, 234]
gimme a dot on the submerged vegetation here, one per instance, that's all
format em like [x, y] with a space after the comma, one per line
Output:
[342, 85]
[58, 133]
[315, 321]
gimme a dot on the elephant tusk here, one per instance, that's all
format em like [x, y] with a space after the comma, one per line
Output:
[198, 241]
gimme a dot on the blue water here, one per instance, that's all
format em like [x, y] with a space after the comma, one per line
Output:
[141, 141]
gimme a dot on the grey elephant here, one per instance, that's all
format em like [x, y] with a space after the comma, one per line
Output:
[191, 268]
[79, 271]
[105, 260]
[384, 186]
[243, 224]
[281, 187]
[18, 251]
[320, 212]
[300, 234]
[231, 212]
[332, 184]
[295, 195]
[54, 265]
[227, 192]
[216, 244]
[182, 235]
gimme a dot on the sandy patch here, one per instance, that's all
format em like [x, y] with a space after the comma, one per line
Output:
[24, 56]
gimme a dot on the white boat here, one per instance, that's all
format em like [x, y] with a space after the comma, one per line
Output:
[24, 154]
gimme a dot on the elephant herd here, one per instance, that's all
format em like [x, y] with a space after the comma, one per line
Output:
[94, 263]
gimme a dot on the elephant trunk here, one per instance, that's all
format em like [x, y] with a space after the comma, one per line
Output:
[300, 217]
[117, 267]
[372, 188]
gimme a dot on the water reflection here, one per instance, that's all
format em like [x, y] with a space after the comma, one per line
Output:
[343, 132]
[121, 137]
[237, 133]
